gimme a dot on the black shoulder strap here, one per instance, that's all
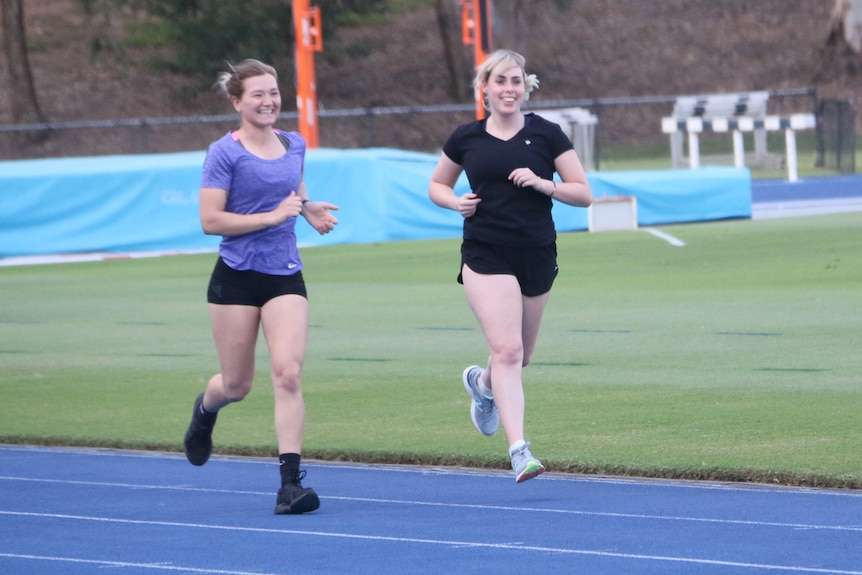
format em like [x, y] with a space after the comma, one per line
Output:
[285, 141]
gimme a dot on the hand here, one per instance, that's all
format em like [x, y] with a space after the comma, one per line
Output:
[525, 178]
[318, 216]
[467, 204]
[290, 207]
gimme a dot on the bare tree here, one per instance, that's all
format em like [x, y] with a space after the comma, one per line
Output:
[506, 22]
[22, 92]
[458, 63]
[841, 54]
[511, 25]
[839, 75]
[846, 24]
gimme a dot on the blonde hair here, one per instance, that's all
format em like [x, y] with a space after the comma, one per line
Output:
[498, 57]
[231, 83]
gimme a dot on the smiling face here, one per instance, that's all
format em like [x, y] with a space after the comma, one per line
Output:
[505, 88]
[260, 102]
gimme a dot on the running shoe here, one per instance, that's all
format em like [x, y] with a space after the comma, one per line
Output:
[525, 465]
[198, 442]
[483, 410]
[294, 499]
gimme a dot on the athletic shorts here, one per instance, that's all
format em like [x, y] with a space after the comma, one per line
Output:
[534, 268]
[232, 287]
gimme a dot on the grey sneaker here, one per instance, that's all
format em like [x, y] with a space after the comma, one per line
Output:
[483, 411]
[525, 465]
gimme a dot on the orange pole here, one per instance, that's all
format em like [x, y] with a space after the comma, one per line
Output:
[476, 31]
[309, 39]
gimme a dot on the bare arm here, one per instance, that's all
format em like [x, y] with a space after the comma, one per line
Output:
[317, 213]
[215, 220]
[441, 189]
[574, 188]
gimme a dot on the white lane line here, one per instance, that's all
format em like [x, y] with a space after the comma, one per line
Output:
[659, 483]
[666, 237]
[448, 543]
[154, 566]
[94, 257]
[573, 512]
[804, 208]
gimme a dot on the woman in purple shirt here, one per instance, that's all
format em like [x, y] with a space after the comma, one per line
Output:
[252, 194]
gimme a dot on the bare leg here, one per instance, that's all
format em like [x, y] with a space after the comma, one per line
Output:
[285, 327]
[235, 329]
[510, 323]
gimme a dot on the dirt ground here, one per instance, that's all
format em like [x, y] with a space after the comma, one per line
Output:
[594, 49]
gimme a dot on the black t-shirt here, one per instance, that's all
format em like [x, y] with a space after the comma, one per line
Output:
[508, 215]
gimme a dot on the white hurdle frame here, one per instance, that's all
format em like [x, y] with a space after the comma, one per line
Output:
[738, 125]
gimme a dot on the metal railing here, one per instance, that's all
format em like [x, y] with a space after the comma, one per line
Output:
[377, 126]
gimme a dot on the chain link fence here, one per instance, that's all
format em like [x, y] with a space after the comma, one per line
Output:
[624, 124]
[836, 136]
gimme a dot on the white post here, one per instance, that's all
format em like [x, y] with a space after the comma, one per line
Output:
[738, 149]
[792, 174]
[693, 150]
[676, 150]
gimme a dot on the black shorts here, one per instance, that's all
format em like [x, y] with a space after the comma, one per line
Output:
[534, 268]
[232, 287]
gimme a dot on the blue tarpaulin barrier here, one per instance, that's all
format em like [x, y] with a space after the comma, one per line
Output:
[150, 202]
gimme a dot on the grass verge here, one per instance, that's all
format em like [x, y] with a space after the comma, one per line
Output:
[734, 357]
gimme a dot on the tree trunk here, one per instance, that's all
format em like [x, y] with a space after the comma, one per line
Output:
[458, 64]
[21, 91]
[510, 25]
[841, 54]
[846, 24]
[839, 75]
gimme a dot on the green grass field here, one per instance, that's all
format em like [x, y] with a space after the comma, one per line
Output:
[735, 357]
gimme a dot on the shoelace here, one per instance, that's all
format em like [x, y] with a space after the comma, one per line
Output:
[485, 404]
[523, 453]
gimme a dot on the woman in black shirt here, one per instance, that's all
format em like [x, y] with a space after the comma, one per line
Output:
[508, 254]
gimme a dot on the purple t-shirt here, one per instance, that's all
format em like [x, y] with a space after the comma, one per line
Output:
[256, 185]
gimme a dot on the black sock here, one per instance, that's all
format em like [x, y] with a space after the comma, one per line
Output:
[207, 418]
[289, 467]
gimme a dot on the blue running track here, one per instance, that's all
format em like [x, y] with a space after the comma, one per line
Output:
[78, 511]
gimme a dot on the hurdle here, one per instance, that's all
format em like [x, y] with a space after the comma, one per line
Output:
[727, 105]
[580, 125]
[695, 126]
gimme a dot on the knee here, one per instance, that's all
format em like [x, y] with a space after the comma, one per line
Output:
[287, 379]
[510, 354]
[236, 390]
